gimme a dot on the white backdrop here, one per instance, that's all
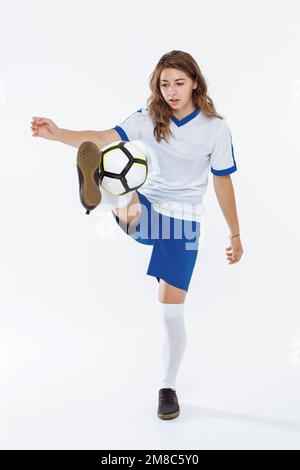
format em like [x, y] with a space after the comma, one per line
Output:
[80, 337]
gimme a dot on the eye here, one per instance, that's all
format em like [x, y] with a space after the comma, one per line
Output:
[177, 84]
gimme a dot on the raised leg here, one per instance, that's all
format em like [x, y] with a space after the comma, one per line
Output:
[129, 214]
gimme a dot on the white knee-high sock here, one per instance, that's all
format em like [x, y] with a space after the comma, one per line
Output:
[174, 341]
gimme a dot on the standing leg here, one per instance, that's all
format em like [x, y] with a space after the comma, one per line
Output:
[169, 294]
[171, 309]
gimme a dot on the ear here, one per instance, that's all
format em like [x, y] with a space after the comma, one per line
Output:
[195, 86]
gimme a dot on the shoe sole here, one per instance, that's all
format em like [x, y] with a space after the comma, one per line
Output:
[88, 162]
[169, 416]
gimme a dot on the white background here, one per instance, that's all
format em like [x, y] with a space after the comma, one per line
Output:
[80, 337]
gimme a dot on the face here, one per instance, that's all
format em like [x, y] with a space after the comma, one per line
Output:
[176, 85]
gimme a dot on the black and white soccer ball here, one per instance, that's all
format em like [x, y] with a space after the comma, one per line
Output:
[123, 167]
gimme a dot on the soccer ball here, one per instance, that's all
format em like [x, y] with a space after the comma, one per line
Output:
[123, 167]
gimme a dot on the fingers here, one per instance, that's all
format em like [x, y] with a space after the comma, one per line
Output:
[36, 118]
[34, 128]
[35, 123]
[40, 120]
[231, 256]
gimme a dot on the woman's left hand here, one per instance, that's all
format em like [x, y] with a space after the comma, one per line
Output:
[234, 251]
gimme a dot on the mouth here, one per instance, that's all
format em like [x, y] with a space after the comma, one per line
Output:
[173, 101]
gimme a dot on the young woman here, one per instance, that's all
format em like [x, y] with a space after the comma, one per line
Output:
[183, 137]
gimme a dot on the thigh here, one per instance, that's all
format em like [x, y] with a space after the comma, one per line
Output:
[169, 294]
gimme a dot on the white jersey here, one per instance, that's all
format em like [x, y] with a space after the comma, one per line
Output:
[178, 170]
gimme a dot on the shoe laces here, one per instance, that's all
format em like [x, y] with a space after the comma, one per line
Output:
[167, 395]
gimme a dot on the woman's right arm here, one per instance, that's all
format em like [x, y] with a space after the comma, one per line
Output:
[46, 128]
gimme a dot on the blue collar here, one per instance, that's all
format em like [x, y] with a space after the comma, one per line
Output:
[189, 117]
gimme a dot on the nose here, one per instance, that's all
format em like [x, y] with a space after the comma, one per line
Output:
[173, 94]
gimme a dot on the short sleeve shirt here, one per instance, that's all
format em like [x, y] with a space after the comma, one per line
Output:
[178, 169]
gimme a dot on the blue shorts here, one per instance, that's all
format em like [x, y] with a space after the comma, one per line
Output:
[175, 243]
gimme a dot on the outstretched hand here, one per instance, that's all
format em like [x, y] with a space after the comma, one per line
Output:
[44, 127]
[234, 251]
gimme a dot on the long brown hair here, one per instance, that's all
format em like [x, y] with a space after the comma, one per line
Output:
[160, 112]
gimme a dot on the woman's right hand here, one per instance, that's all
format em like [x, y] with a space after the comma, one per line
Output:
[44, 127]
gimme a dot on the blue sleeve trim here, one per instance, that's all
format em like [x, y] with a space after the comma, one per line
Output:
[122, 133]
[227, 171]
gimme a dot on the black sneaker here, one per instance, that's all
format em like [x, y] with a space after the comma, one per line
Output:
[168, 407]
[88, 164]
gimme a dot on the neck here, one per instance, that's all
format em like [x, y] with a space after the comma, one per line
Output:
[185, 111]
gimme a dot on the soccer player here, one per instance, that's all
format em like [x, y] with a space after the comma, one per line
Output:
[183, 137]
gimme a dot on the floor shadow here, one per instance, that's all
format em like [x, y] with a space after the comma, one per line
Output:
[193, 413]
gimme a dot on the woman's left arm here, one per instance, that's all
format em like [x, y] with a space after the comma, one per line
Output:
[225, 195]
